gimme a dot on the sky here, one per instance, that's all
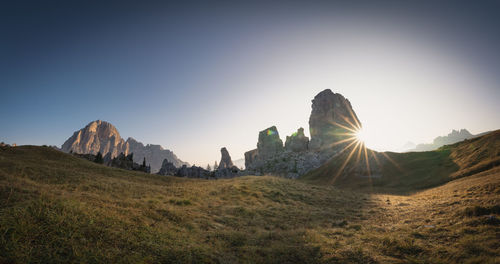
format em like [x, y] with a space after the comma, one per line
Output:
[197, 76]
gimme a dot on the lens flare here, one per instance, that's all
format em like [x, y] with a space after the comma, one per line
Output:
[361, 135]
[270, 132]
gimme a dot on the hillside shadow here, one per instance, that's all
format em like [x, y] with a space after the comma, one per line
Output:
[387, 172]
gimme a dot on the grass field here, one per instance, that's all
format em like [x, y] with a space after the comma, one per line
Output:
[56, 208]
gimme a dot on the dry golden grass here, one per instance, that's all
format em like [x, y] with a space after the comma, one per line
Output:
[55, 208]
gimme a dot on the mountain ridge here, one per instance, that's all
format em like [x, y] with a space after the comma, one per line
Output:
[102, 136]
[453, 137]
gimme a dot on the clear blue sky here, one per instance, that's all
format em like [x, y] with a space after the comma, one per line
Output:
[196, 76]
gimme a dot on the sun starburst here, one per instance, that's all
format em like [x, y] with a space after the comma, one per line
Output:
[351, 144]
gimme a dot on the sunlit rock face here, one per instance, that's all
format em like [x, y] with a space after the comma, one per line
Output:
[330, 116]
[297, 142]
[97, 136]
[225, 161]
[101, 136]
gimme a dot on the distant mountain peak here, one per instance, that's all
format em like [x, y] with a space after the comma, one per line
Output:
[453, 137]
[102, 136]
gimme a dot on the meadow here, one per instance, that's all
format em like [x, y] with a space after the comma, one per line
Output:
[57, 208]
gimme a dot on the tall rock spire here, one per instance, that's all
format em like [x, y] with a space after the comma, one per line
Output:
[332, 120]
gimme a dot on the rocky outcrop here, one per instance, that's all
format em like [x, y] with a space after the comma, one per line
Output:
[101, 136]
[226, 173]
[250, 157]
[225, 170]
[225, 161]
[193, 172]
[331, 119]
[226, 167]
[269, 142]
[167, 168]
[297, 142]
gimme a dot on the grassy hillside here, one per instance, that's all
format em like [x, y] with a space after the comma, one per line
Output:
[411, 171]
[56, 208]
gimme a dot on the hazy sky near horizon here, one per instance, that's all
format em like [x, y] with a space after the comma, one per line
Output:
[197, 76]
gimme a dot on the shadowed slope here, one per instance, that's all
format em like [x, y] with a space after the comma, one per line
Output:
[404, 172]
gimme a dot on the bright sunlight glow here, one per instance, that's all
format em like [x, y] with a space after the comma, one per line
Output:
[361, 135]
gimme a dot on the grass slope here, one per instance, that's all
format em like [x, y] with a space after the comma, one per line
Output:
[411, 171]
[56, 208]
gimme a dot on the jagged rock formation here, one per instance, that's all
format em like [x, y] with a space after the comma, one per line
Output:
[167, 168]
[268, 145]
[331, 114]
[332, 120]
[193, 172]
[297, 142]
[225, 170]
[454, 137]
[101, 136]
[269, 142]
[226, 173]
[225, 160]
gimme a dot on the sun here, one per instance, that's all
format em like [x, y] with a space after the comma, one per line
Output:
[361, 135]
